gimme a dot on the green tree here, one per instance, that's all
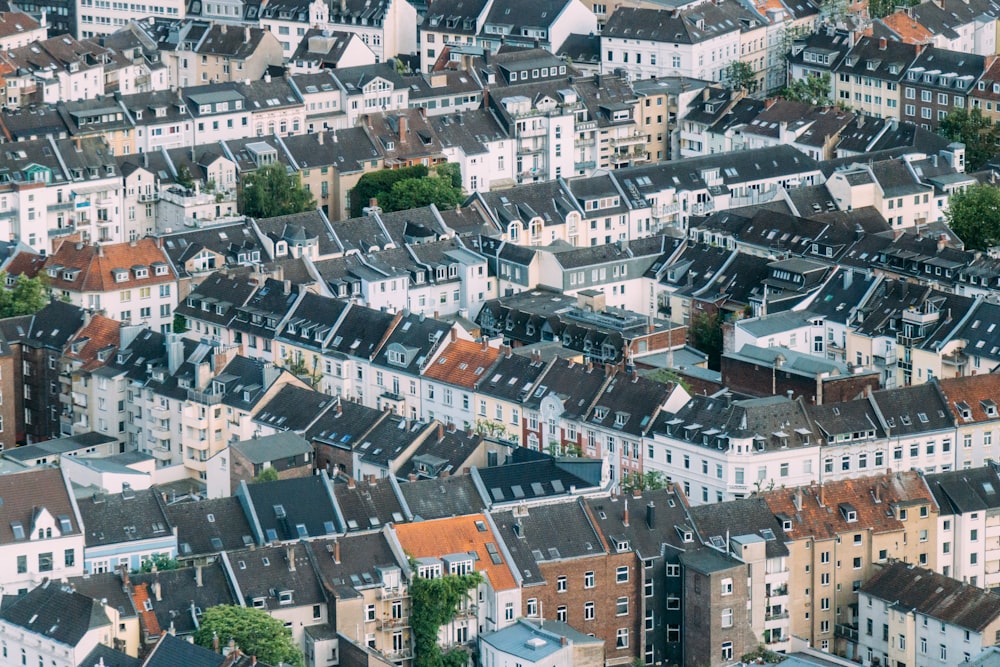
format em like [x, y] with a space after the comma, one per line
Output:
[451, 171]
[377, 184]
[740, 75]
[184, 177]
[435, 602]
[878, 9]
[811, 90]
[160, 562]
[976, 131]
[272, 191]
[253, 630]
[416, 192]
[491, 428]
[651, 480]
[27, 296]
[974, 215]
[268, 474]
[180, 324]
[705, 334]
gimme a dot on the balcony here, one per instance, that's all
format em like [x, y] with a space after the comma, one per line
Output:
[391, 623]
[914, 316]
[586, 164]
[846, 632]
[392, 594]
[60, 206]
[204, 397]
[778, 591]
[701, 208]
[470, 611]
[777, 616]
[79, 399]
[909, 341]
[630, 140]
[885, 358]
[149, 197]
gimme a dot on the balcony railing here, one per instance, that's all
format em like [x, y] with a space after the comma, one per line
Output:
[846, 632]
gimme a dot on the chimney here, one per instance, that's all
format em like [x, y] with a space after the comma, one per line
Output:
[412, 477]
[451, 427]
[290, 557]
[246, 34]
[286, 286]
[197, 576]
[156, 589]
[453, 333]
[319, 138]
[650, 517]
[373, 202]
[877, 494]
[882, 43]
[351, 483]
[402, 126]
[126, 581]
[440, 431]
[336, 552]
[215, 635]
[486, 344]
[820, 497]
[797, 499]
[563, 641]
[942, 242]
[625, 514]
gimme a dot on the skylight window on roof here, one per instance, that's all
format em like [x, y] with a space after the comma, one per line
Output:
[18, 530]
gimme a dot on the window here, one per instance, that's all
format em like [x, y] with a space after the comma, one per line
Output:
[69, 557]
[673, 570]
[561, 613]
[588, 580]
[45, 562]
[727, 617]
[621, 638]
[532, 607]
[22, 564]
[561, 585]
[727, 651]
[727, 586]
[588, 611]
[621, 574]
[621, 607]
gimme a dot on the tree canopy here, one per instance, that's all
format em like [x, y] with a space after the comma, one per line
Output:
[254, 630]
[974, 215]
[408, 187]
[976, 131]
[268, 474]
[705, 334]
[434, 603]
[27, 296]
[740, 75]
[810, 89]
[272, 191]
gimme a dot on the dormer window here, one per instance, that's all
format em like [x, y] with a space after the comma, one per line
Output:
[849, 512]
[621, 418]
[600, 413]
[284, 597]
[140, 271]
[259, 603]
[70, 275]
[990, 407]
[120, 275]
[964, 409]
[160, 269]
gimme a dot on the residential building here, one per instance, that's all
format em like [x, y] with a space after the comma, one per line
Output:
[125, 530]
[869, 77]
[938, 82]
[530, 643]
[912, 616]
[44, 536]
[18, 29]
[837, 533]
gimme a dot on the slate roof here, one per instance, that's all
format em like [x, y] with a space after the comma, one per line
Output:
[59, 615]
[360, 332]
[363, 559]
[171, 651]
[929, 593]
[873, 498]
[540, 478]
[444, 452]
[104, 586]
[209, 526]
[344, 425]
[26, 493]
[689, 26]
[415, 337]
[182, 598]
[226, 240]
[456, 495]
[913, 410]
[740, 517]
[629, 403]
[293, 408]
[385, 443]
[368, 504]
[648, 540]
[846, 418]
[964, 491]
[283, 505]
[108, 657]
[123, 517]
[265, 572]
[544, 533]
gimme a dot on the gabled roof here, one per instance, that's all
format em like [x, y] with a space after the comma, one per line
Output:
[549, 532]
[56, 614]
[929, 593]
[93, 268]
[124, 517]
[368, 504]
[964, 491]
[95, 344]
[352, 563]
[183, 594]
[285, 508]
[266, 574]
[816, 511]
[171, 651]
[462, 363]
[26, 493]
[459, 535]
[913, 410]
[209, 526]
[972, 399]
[456, 495]
[273, 447]
[687, 26]
[293, 408]
[745, 516]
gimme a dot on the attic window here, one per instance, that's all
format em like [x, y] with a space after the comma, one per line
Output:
[140, 271]
[18, 530]
[160, 269]
[285, 597]
[850, 514]
[259, 603]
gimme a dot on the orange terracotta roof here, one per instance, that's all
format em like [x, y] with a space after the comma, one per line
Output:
[827, 520]
[26, 264]
[101, 333]
[462, 363]
[441, 537]
[909, 31]
[972, 391]
[140, 595]
[96, 262]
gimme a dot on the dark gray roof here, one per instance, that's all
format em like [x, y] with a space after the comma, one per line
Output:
[363, 558]
[964, 491]
[285, 505]
[182, 598]
[688, 26]
[549, 532]
[367, 505]
[209, 526]
[293, 408]
[439, 498]
[106, 656]
[741, 517]
[60, 615]
[273, 447]
[648, 540]
[171, 651]
[124, 517]
[540, 478]
[266, 572]
[912, 410]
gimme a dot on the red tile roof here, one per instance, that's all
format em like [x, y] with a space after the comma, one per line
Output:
[820, 513]
[908, 29]
[972, 391]
[462, 363]
[441, 537]
[140, 595]
[27, 264]
[101, 333]
[96, 263]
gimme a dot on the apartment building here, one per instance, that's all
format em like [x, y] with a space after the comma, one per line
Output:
[869, 77]
[836, 534]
